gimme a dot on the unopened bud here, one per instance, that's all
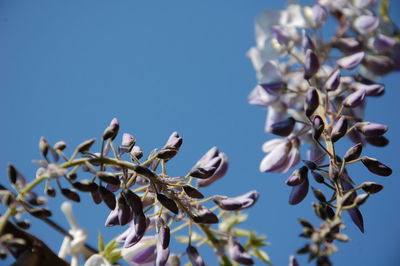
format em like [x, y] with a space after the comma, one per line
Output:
[311, 64]
[339, 129]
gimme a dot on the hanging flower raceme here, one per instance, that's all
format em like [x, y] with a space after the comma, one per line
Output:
[315, 92]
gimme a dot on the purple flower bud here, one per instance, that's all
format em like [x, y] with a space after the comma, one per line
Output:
[168, 203]
[205, 216]
[376, 166]
[293, 158]
[237, 203]
[316, 154]
[204, 172]
[333, 82]
[311, 64]
[383, 43]
[137, 230]
[192, 192]
[319, 14]
[96, 197]
[144, 255]
[219, 172]
[297, 177]
[133, 201]
[137, 152]
[357, 218]
[281, 35]
[318, 194]
[348, 45]
[71, 194]
[369, 129]
[85, 146]
[108, 197]
[162, 255]
[361, 199]
[43, 146]
[194, 256]
[125, 214]
[171, 148]
[108, 178]
[318, 177]
[112, 130]
[12, 174]
[353, 153]
[298, 193]
[128, 141]
[306, 42]
[85, 185]
[312, 101]
[366, 24]
[339, 129]
[293, 261]
[272, 88]
[276, 159]
[283, 128]
[163, 235]
[238, 253]
[370, 89]
[351, 61]
[112, 218]
[371, 187]
[318, 127]
[354, 99]
[380, 141]
[61, 145]
[379, 64]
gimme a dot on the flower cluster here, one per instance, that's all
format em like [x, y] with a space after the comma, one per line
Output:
[149, 204]
[315, 92]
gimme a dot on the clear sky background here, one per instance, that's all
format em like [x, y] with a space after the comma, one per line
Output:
[68, 67]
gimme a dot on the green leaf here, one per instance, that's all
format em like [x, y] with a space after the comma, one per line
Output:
[110, 247]
[232, 219]
[100, 242]
[114, 256]
[255, 241]
[262, 255]
[241, 232]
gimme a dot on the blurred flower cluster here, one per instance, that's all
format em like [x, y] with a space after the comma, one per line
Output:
[316, 66]
[147, 203]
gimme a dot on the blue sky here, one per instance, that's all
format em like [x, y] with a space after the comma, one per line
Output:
[68, 67]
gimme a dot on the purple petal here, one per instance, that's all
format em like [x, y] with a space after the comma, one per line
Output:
[162, 255]
[354, 99]
[145, 255]
[357, 218]
[281, 35]
[292, 160]
[319, 14]
[311, 64]
[348, 45]
[316, 154]
[366, 24]
[383, 43]
[298, 193]
[219, 172]
[112, 218]
[379, 64]
[238, 253]
[275, 159]
[194, 256]
[351, 61]
[333, 81]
